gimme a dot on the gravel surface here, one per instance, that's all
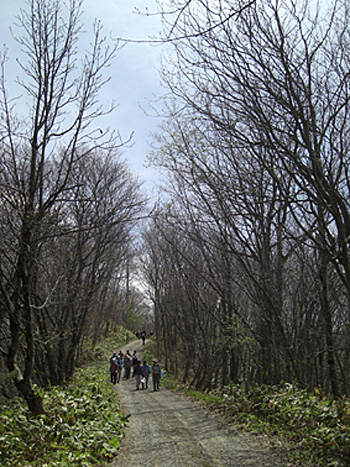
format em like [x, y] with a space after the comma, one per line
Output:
[167, 429]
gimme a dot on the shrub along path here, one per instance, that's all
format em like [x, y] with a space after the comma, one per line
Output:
[167, 429]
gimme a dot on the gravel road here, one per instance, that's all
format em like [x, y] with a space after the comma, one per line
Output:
[167, 429]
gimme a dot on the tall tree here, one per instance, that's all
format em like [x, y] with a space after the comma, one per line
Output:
[85, 253]
[39, 154]
[263, 95]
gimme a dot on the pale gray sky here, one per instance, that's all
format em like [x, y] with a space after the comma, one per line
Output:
[135, 81]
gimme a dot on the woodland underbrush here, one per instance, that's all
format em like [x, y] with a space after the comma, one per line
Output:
[83, 425]
[313, 429]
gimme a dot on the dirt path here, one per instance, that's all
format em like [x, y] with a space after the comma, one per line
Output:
[167, 429]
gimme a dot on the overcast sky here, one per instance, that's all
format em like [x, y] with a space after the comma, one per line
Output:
[135, 79]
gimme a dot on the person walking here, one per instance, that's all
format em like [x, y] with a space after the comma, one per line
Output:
[135, 359]
[127, 364]
[138, 374]
[146, 371]
[113, 368]
[156, 371]
[119, 368]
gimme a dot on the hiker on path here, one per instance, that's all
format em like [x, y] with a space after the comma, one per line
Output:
[146, 371]
[127, 364]
[156, 372]
[138, 374]
[143, 337]
[113, 368]
[135, 359]
[119, 367]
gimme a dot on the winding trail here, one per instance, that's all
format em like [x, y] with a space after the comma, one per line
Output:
[168, 430]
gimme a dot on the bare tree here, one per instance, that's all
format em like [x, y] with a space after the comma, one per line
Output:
[94, 238]
[39, 155]
[263, 148]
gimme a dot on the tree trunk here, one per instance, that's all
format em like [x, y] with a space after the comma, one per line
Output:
[34, 401]
[328, 325]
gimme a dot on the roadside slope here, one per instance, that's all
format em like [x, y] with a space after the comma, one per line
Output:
[167, 429]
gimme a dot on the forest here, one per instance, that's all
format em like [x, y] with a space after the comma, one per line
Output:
[69, 205]
[248, 253]
[245, 255]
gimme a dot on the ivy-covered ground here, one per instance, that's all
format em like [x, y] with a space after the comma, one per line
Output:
[83, 426]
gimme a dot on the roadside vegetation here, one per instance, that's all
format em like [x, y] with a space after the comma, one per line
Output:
[83, 425]
[150, 351]
[312, 428]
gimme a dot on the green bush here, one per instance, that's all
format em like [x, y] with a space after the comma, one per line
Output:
[150, 351]
[104, 348]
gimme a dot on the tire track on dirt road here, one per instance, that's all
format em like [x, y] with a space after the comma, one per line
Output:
[166, 429]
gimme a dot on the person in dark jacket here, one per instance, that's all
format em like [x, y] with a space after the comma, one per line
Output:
[127, 364]
[143, 337]
[138, 374]
[113, 368]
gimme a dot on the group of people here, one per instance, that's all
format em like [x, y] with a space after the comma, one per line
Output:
[140, 370]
